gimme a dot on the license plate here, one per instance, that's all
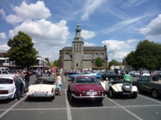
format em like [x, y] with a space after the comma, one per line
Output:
[126, 93]
[39, 93]
[91, 93]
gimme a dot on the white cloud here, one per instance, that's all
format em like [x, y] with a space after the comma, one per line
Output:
[4, 48]
[117, 49]
[2, 12]
[90, 6]
[131, 3]
[86, 34]
[89, 44]
[153, 28]
[3, 35]
[44, 32]
[31, 11]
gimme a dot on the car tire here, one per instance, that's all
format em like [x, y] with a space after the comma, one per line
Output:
[134, 95]
[155, 93]
[111, 93]
[127, 87]
[73, 99]
[100, 100]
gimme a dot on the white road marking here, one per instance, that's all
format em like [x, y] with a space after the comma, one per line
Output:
[137, 117]
[69, 115]
[9, 109]
[150, 99]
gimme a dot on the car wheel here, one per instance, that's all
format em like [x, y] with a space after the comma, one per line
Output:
[134, 95]
[111, 93]
[155, 93]
[100, 100]
[127, 86]
[73, 99]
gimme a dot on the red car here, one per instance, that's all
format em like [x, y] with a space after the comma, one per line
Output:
[86, 88]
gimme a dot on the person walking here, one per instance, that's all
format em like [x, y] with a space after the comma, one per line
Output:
[127, 77]
[58, 82]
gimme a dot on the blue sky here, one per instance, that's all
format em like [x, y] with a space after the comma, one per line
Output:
[119, 24]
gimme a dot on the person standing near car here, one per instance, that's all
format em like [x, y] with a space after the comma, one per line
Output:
[58, 82]
[27, 78]
[18, 84]
[127, 77]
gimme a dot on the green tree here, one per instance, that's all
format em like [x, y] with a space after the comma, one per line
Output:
[131, 60]
[148, 55]
[113, 62]
[56, 63]
[99, 62]
[21, 50]
[48, 62]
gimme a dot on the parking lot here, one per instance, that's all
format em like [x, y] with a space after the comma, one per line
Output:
[144, 107]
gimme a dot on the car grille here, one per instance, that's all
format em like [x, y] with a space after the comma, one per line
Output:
[3, 91]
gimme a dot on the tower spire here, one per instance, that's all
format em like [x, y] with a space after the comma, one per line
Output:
[78, 35]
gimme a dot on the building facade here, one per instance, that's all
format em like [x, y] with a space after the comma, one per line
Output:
[5, 63]
[79, 56]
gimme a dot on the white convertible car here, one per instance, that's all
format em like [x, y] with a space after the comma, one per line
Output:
[8, 88]
[42, 87]
[119, 87]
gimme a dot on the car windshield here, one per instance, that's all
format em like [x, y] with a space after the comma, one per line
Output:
[86, 80]
[49, 81]
[6, 81]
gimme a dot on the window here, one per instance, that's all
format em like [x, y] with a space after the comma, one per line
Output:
[102, 54]
[96, 53]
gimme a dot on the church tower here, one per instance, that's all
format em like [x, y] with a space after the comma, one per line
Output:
[77, 50]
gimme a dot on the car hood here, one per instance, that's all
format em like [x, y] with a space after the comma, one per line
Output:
[86, 87]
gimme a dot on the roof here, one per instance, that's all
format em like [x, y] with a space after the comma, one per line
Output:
[86, 48]
[67, 57]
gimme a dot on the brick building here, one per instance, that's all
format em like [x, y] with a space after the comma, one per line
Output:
[80, 56]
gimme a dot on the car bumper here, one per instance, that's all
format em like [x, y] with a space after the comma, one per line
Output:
[126, 93]
[40, 95]
[88, 97]
[6, 96]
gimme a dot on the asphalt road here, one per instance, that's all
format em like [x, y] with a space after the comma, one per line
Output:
[144, 107]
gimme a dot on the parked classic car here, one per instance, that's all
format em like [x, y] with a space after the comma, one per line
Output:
[67, 73]
[119, 87]
[86, 88]
[111, 75]
[7, 86]
[98, 76]
[148, 84]
[42, 87]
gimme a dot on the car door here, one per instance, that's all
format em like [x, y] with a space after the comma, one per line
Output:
[147, 86]
[141, 82]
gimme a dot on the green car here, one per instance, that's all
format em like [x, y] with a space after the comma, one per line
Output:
[149, 84]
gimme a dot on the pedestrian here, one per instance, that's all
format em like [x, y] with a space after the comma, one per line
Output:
[127, 77]
[58, 82]
[18, 84]
[49, 72]
[27, 78]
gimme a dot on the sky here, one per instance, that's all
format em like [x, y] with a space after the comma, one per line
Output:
[118, 24]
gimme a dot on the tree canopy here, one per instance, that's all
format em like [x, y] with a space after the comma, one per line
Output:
[113, 62]
[21, 50]
[147, 55]
[99, 62]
